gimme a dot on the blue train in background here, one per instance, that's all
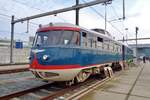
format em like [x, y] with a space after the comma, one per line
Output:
[66, 52]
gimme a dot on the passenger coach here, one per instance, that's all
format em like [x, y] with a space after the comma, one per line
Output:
[65, 52]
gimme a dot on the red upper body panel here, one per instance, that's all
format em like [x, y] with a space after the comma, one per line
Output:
[45, 29]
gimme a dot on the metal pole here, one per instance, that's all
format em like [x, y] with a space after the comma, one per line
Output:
[62, 10]
[136, 32]
[126, 31]
[77, 13]
[136, 44]
[27, 26]
[135, 39]
[12, 39]
[123, 39]
[123, 9]
[123, 53]
[105, 16]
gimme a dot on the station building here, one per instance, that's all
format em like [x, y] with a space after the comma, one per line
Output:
[142, 49]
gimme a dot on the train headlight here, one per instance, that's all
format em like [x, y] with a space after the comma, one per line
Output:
[29, 57]
[45, 57]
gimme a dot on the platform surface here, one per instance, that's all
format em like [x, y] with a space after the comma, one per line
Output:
[13, 67]
[132, 84]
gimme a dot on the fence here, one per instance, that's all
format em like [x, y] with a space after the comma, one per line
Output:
[19, 55]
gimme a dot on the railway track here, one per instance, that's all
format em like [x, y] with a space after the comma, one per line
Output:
[53, 90]
[47, 91]
[72, 92]
[23, 92]
[13, 70]
[16, 80]
[77, 91]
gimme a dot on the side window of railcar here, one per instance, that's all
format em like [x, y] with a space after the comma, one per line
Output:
[115, 47]
[110, 45]
[94, 41]
[99, 42]
[118, 50]
[84, 39]
[106, 44]
[121, 49]
[90, 40]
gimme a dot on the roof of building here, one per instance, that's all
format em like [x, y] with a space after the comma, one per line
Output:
[139, 45]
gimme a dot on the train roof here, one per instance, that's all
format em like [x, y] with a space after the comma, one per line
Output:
[68, 26]
[58, 26]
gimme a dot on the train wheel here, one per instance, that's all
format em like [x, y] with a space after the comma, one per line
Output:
[108, 71]
[82, 76]
[69, 83]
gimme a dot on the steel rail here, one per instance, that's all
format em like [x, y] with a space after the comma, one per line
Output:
[89, 85]
[82, 92]
[23, 92]
[65, 90]
[14, 70]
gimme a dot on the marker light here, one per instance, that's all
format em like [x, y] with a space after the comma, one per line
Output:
[45, 57]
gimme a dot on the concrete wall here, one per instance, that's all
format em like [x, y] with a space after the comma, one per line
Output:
[20, 55]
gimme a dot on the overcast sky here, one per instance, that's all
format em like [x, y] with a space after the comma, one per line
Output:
[137, 14]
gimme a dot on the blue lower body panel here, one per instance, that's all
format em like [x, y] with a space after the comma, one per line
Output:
[72, 56]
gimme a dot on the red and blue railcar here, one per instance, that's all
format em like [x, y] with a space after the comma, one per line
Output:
[65, 52]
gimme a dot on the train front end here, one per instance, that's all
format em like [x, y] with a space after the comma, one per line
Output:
[52, 55]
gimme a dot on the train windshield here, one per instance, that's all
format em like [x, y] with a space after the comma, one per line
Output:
[44, 39]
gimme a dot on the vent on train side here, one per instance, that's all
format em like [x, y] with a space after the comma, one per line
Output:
[102, 31]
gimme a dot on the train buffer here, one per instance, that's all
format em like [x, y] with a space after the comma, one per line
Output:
[132, 84]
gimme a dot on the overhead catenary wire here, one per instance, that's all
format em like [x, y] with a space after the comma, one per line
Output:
[64, 20]
[9, 17]
[37, 9]
[9, 31]
[98, 13]
[118, 18]
[122, 21]
[33, 23]
[26, 5]
[115, 12]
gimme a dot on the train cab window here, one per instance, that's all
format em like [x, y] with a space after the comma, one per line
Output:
[75, 38]
[38, 41]
[56, 38]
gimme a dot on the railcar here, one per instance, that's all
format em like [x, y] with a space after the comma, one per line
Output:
[66, 52]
